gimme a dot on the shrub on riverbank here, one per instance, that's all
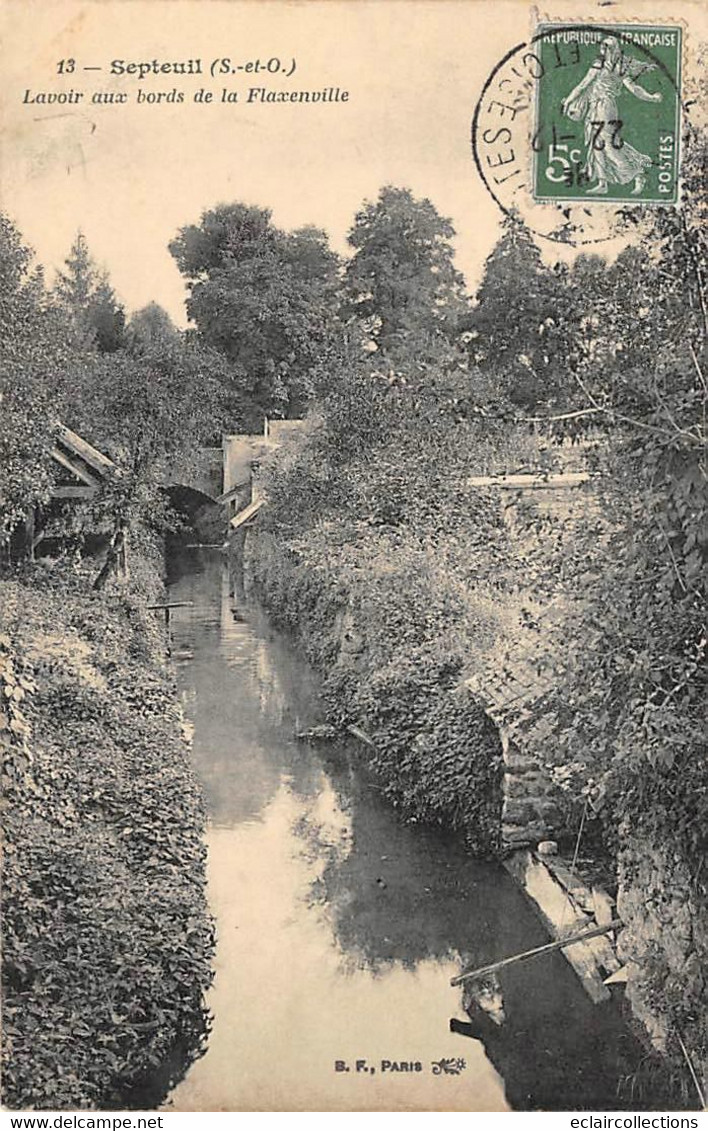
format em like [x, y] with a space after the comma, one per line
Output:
[389, 617]
[107, 938]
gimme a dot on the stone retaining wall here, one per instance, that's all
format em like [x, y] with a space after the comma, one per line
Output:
[529, 812]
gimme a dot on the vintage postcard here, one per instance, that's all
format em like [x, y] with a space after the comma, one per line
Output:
[353, 543]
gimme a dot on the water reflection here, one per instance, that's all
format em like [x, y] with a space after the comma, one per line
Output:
[403, 893]
[339, 927]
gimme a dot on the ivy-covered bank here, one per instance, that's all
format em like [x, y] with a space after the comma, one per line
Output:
[389, 631]
[107, 937]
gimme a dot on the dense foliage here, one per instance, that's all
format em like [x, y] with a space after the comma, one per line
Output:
[632, 691]
[35, 346]
[387, 630]
[85, 295]
[401, 282]
[400, 579]
[150, 398]
[106, 938]
[371, 529]
[515, 328]
[374, 551]
[265, 299]
[639, 576]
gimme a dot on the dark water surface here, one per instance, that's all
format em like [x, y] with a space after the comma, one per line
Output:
[339, 927]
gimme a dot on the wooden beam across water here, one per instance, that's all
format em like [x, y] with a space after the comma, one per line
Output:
[557, 944]
[172, 605]
[167, 606]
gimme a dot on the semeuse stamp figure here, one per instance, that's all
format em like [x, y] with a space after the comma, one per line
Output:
[610, 159]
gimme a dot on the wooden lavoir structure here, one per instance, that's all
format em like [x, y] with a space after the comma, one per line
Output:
[80, 470]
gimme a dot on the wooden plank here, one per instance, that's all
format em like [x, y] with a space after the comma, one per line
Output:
[581, 957]
[172, 605]
[560, 914]
[549, 899]
[572, 884]
[547, 948]
[604, 955]
[247, 514]
[75, 468]
[232, 492]
[621, 975]
[86, 451]
[587, 901]
[531, 482]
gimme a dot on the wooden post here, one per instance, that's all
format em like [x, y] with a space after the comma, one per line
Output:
[123, 556]
[167, 605]
[29, 534]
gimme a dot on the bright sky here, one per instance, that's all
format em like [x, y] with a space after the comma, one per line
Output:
[131, 175]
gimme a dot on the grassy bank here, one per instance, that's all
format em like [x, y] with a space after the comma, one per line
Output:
[107, 938]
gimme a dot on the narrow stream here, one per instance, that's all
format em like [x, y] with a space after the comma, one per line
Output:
[339, 927]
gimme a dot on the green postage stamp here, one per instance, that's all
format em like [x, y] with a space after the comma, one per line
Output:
[607, 113]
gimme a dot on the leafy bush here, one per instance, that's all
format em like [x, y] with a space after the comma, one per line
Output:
[437, 752]
[394, 634]
[107, 938]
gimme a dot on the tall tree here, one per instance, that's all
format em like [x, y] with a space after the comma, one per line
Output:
[77, 282]
[264, 298]
[35, 353]
[146, 410]
[148, 327]
[85, 294]
[401, 282]
[105, 317]
[516, 327]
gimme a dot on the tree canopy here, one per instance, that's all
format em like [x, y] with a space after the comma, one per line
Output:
[84, 293]
[34, 358]
[401, 281]
[148, 327]
[516, 328]
[266, 299]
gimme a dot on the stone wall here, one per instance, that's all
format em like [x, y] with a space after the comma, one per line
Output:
[665, 944]
[529, 812]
